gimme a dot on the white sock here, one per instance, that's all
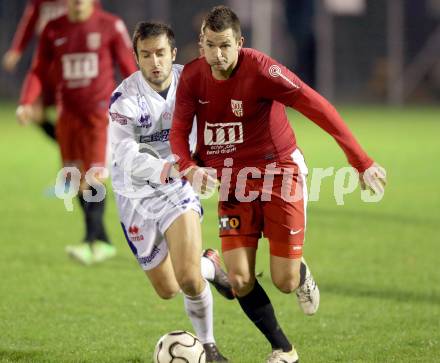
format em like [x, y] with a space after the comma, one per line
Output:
[199, 310]
[207, 267]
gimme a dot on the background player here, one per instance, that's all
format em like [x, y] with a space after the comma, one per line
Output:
[239, 96]
[160, 216]
[83, 46]
[35, 17]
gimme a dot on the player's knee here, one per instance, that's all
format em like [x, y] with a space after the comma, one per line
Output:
[166, 290]
[190, 283]
[166, 294]
[242, 283]
[286, 284]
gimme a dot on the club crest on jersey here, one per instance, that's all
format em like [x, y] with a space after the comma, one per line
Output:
[145, 121]
[93, 41]
[237, 108]
[166, 116]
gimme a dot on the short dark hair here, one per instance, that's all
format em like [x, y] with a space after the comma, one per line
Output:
[145, 29]
[221, 18]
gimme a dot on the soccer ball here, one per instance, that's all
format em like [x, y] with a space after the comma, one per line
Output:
[179, 347]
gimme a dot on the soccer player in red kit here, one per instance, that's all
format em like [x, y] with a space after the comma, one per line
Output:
[35, 17]
[84, 45]
[239, 96]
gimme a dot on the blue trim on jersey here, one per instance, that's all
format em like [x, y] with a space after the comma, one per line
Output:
[114, 97]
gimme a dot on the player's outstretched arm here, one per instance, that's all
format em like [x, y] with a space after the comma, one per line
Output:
[317, 109]
[32, 85]
[22, 37]
[372, 176]
[279, 83]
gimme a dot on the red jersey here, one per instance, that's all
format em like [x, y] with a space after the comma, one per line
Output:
[83, 54]
[244, 117]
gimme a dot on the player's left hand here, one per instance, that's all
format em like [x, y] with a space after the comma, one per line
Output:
[24, 114]
[374, 178]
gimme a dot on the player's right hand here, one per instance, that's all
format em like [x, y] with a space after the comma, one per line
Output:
[24, 114]
[203, 180]
[10, 60]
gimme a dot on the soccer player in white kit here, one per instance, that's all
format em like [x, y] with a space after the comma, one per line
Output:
[159, 212]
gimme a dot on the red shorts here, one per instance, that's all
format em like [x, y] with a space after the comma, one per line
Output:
[82, 139]
[282, 219]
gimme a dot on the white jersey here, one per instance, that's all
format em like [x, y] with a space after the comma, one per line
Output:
[140, 122]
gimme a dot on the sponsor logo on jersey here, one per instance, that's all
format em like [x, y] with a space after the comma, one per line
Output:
[292, 232]
[93, 41]
[237, 108]
[275, 72]
[162, 135]
[80, 66]
[227, 223]
[133, 231]
[120, 119]
[224, 133]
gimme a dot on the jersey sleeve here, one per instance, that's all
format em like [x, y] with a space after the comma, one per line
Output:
[316, 108]
[183, 120]
[125, 150]
[275, 81]
[122, 49]
[26, 27]
[282, 85]
[31, 88]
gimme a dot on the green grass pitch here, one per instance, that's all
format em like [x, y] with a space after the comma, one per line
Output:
[377, 264]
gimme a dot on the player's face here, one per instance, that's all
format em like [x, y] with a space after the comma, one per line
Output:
[221, 50]
[78, 7]
[155, 59]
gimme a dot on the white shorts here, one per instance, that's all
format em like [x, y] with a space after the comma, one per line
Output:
[144, 221]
